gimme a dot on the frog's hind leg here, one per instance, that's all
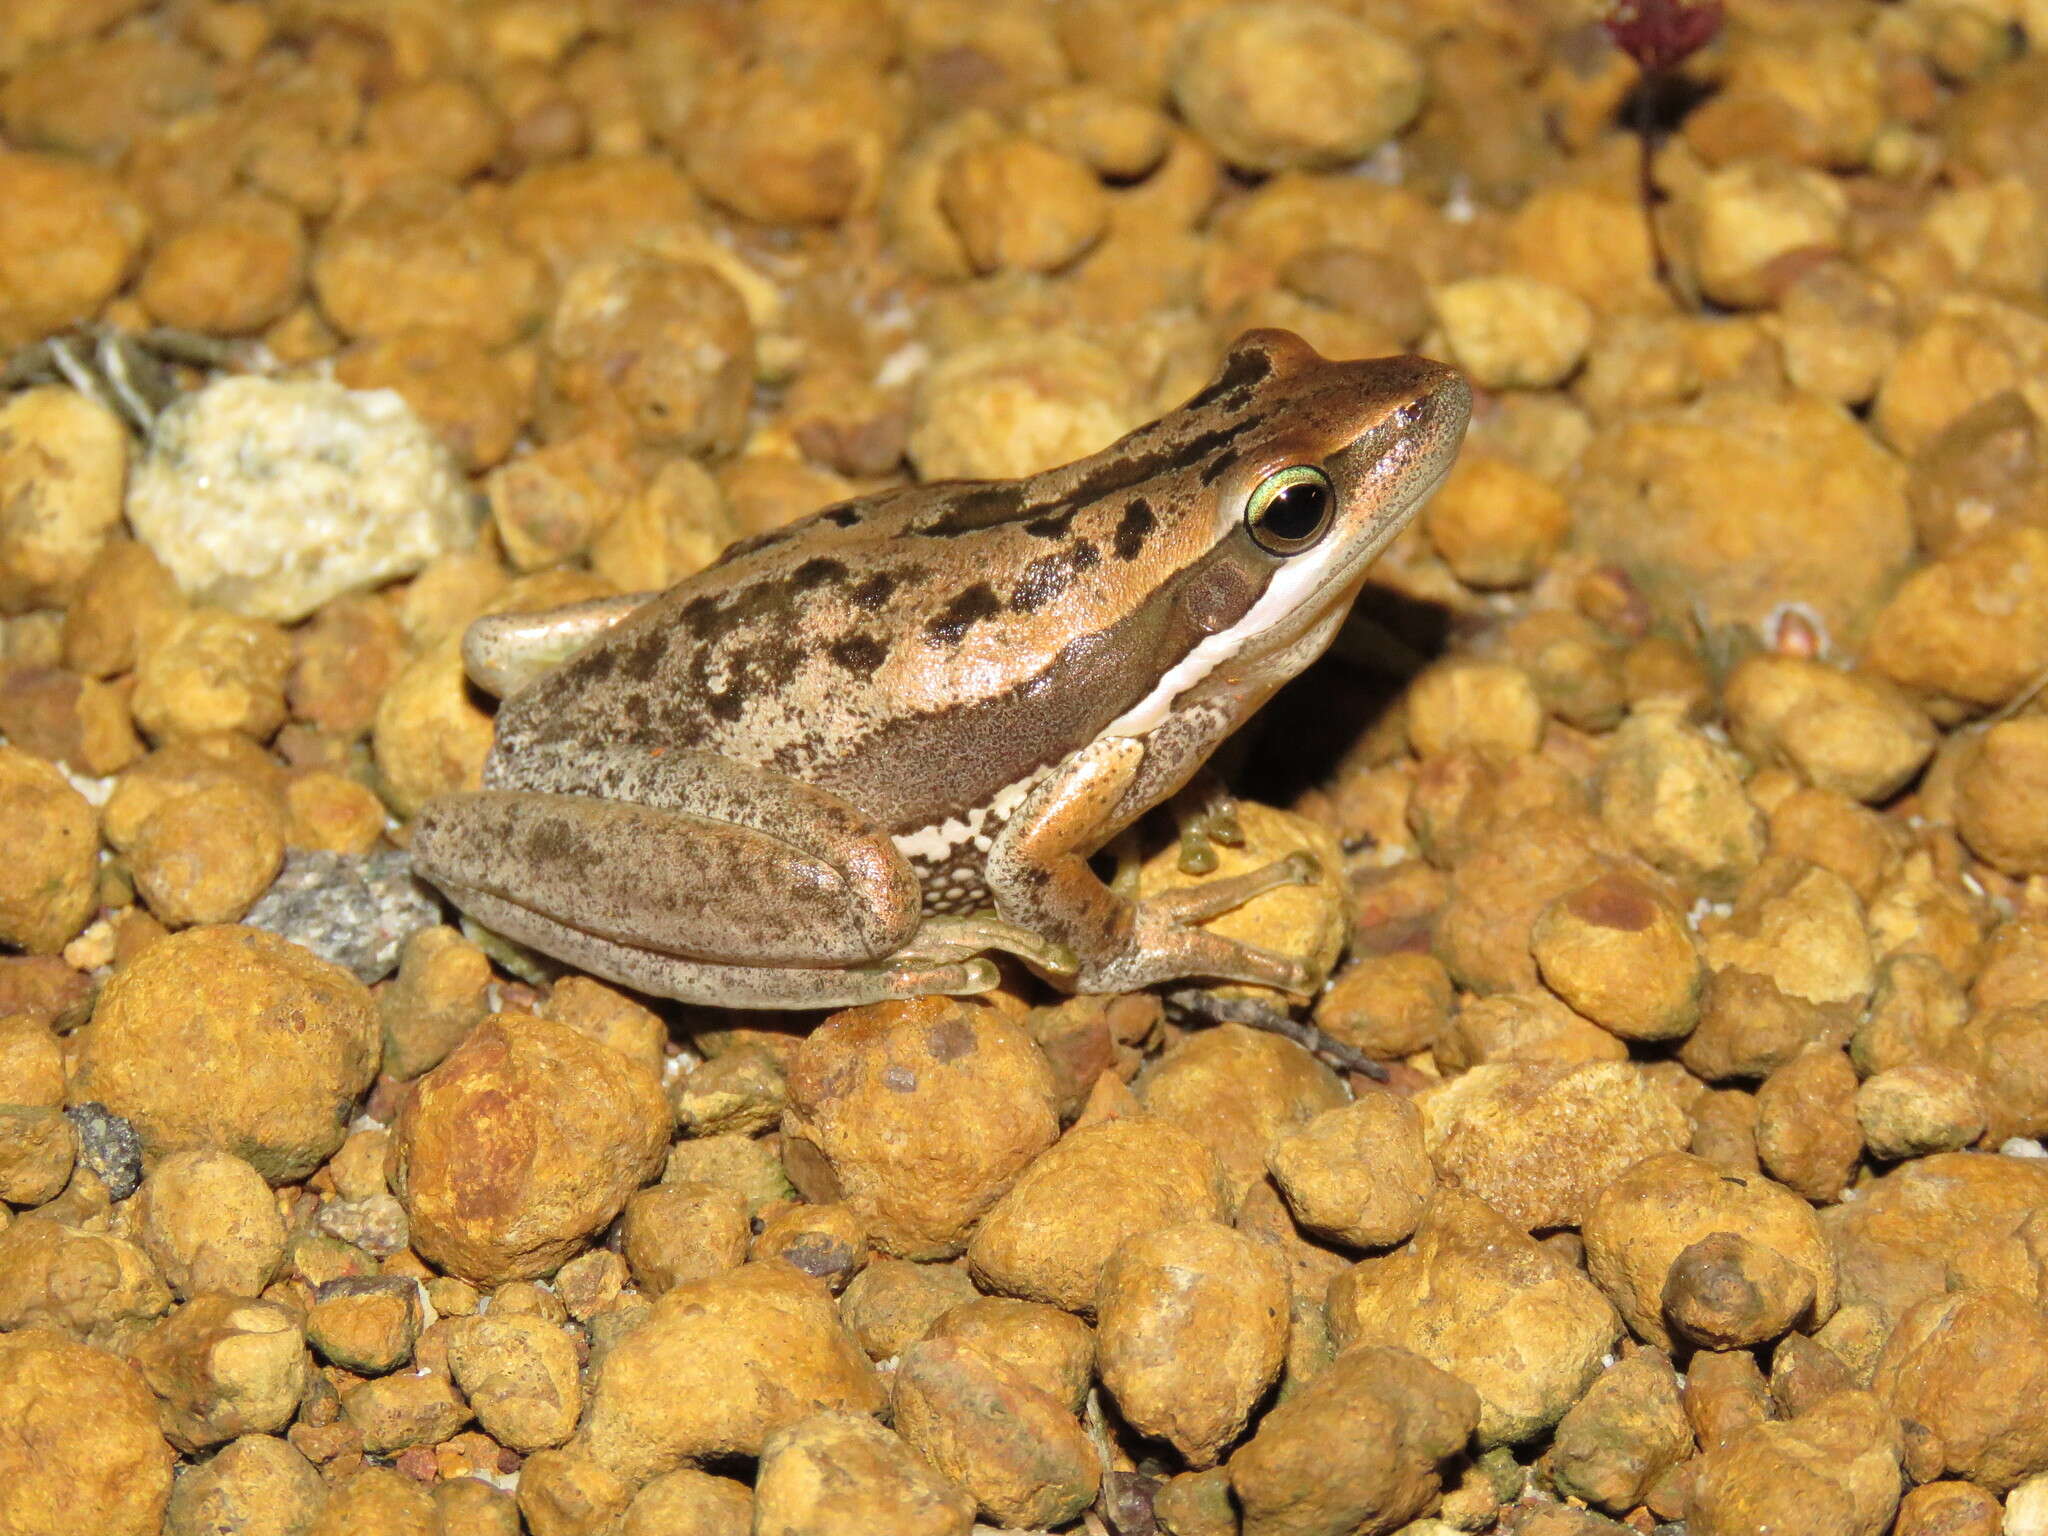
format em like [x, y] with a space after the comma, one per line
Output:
[730, 986]
[688, 854]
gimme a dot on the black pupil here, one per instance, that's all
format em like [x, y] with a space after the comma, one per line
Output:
[1295, 512]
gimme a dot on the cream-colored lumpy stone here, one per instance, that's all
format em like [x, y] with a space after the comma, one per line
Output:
[270, 497]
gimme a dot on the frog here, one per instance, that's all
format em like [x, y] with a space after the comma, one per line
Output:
[867, 755]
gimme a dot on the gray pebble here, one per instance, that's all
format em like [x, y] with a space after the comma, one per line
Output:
[354, 909]
[109, 1146]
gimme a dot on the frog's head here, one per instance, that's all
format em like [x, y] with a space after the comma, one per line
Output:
[1353, 451]
[1338, 456]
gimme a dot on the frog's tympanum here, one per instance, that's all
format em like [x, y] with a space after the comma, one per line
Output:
[863, 751]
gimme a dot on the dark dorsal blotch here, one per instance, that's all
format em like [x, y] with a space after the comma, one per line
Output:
[1243, 371]
[971, 508]
[871, 594]
[817, 572]
[1045, 578]
[966, 610]
[1133, 528]
[858, 654]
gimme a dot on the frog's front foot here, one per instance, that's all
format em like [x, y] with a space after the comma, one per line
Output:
[1165, 942]
[1207, 817]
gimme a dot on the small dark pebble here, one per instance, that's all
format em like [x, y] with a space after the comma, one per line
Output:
[109, 1146]
[354, 909]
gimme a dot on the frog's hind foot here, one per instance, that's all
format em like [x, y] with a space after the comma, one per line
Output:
[946, 938]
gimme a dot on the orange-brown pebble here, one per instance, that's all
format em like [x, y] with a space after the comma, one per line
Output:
[1357, 1174]
[430, 737]
[793, 144]
[1725, 1292]
[418, 252]
[206, 856]
[1192, 1330]
[70, 238]
[224, 1366]
[1845, 731]
[551, 504]
[212, 670]
[1834, 1469]
[38, 1149]
[240, 265]
[375, 1498]
[1806, 1130]
[1020, 1455]
[1496, 524]
[1620, 954]
[1948, 1508]
[50, 888]
[98, 1461]
[210, 1224]
[63, 469]
[1522, 1026]
[682, 1231]
[1485, 706]
[438, 996]
[719, 1365]
[1020, 205]
[367, 1324]
[1629, 1429]
[1235, 1089]
[610, 1017]
[920, 1115]
[827, 1242]
[412, 1408]
[1749, 1026]
[1486, 1303]
[1676, 797]
[1918, 1108]
[96, 1288]
[232, 1038]
[123, 596]
[839, 1471]
[1360, 1447]
[475, 403]
[526, 1140]
[1540, 1141]
[249, 1480]
[663, 347]
[1054, 1350]
[2002, 796]
[520, 1376]
[1642, 1222]
[331, 813]
[687, 1502]
[1050, 1236]
[1278, 87]
[1386, 1006]
[893, 1303]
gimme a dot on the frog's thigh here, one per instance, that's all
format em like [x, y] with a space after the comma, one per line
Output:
[728, 986]
[685, 884]
[503, 652]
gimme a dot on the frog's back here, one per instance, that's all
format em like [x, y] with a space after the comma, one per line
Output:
[921, 649]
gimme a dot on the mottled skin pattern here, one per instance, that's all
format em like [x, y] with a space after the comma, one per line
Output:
[785, 780]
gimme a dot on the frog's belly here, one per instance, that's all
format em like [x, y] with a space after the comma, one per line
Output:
[954, 887]
[948, 857]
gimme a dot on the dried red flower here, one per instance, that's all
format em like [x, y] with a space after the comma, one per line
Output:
[1659, 34]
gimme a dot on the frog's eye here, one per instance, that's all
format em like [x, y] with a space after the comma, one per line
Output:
[1290, 509]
